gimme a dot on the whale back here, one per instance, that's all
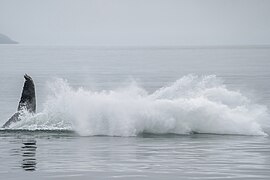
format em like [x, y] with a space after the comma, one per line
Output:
[27, 101]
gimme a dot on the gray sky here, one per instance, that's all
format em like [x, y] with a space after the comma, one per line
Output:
[137, 22]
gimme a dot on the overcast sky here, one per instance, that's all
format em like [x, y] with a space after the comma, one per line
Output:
[137, 22]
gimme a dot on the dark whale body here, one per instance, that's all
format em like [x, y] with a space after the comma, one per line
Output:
[27, 102]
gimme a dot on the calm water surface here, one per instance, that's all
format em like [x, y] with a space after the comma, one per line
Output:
[66, 155]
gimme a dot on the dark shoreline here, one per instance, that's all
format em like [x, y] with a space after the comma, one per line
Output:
[6, 40]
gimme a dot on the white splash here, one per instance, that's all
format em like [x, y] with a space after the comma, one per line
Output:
[191, 104]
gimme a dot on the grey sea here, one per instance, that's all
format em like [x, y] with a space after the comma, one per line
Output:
[137, 113]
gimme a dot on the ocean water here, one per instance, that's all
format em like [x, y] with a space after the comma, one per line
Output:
[137, 113]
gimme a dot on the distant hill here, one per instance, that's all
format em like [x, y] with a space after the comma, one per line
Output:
[6, 40]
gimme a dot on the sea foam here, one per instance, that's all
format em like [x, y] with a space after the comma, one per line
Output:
[193, 103]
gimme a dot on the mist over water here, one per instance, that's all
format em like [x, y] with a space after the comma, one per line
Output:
[154, 89]
[192, 104]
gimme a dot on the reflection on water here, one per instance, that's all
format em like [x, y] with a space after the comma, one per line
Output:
[29, 155]
[196, 156]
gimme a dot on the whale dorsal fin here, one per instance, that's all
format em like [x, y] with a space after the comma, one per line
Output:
[28, 97]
